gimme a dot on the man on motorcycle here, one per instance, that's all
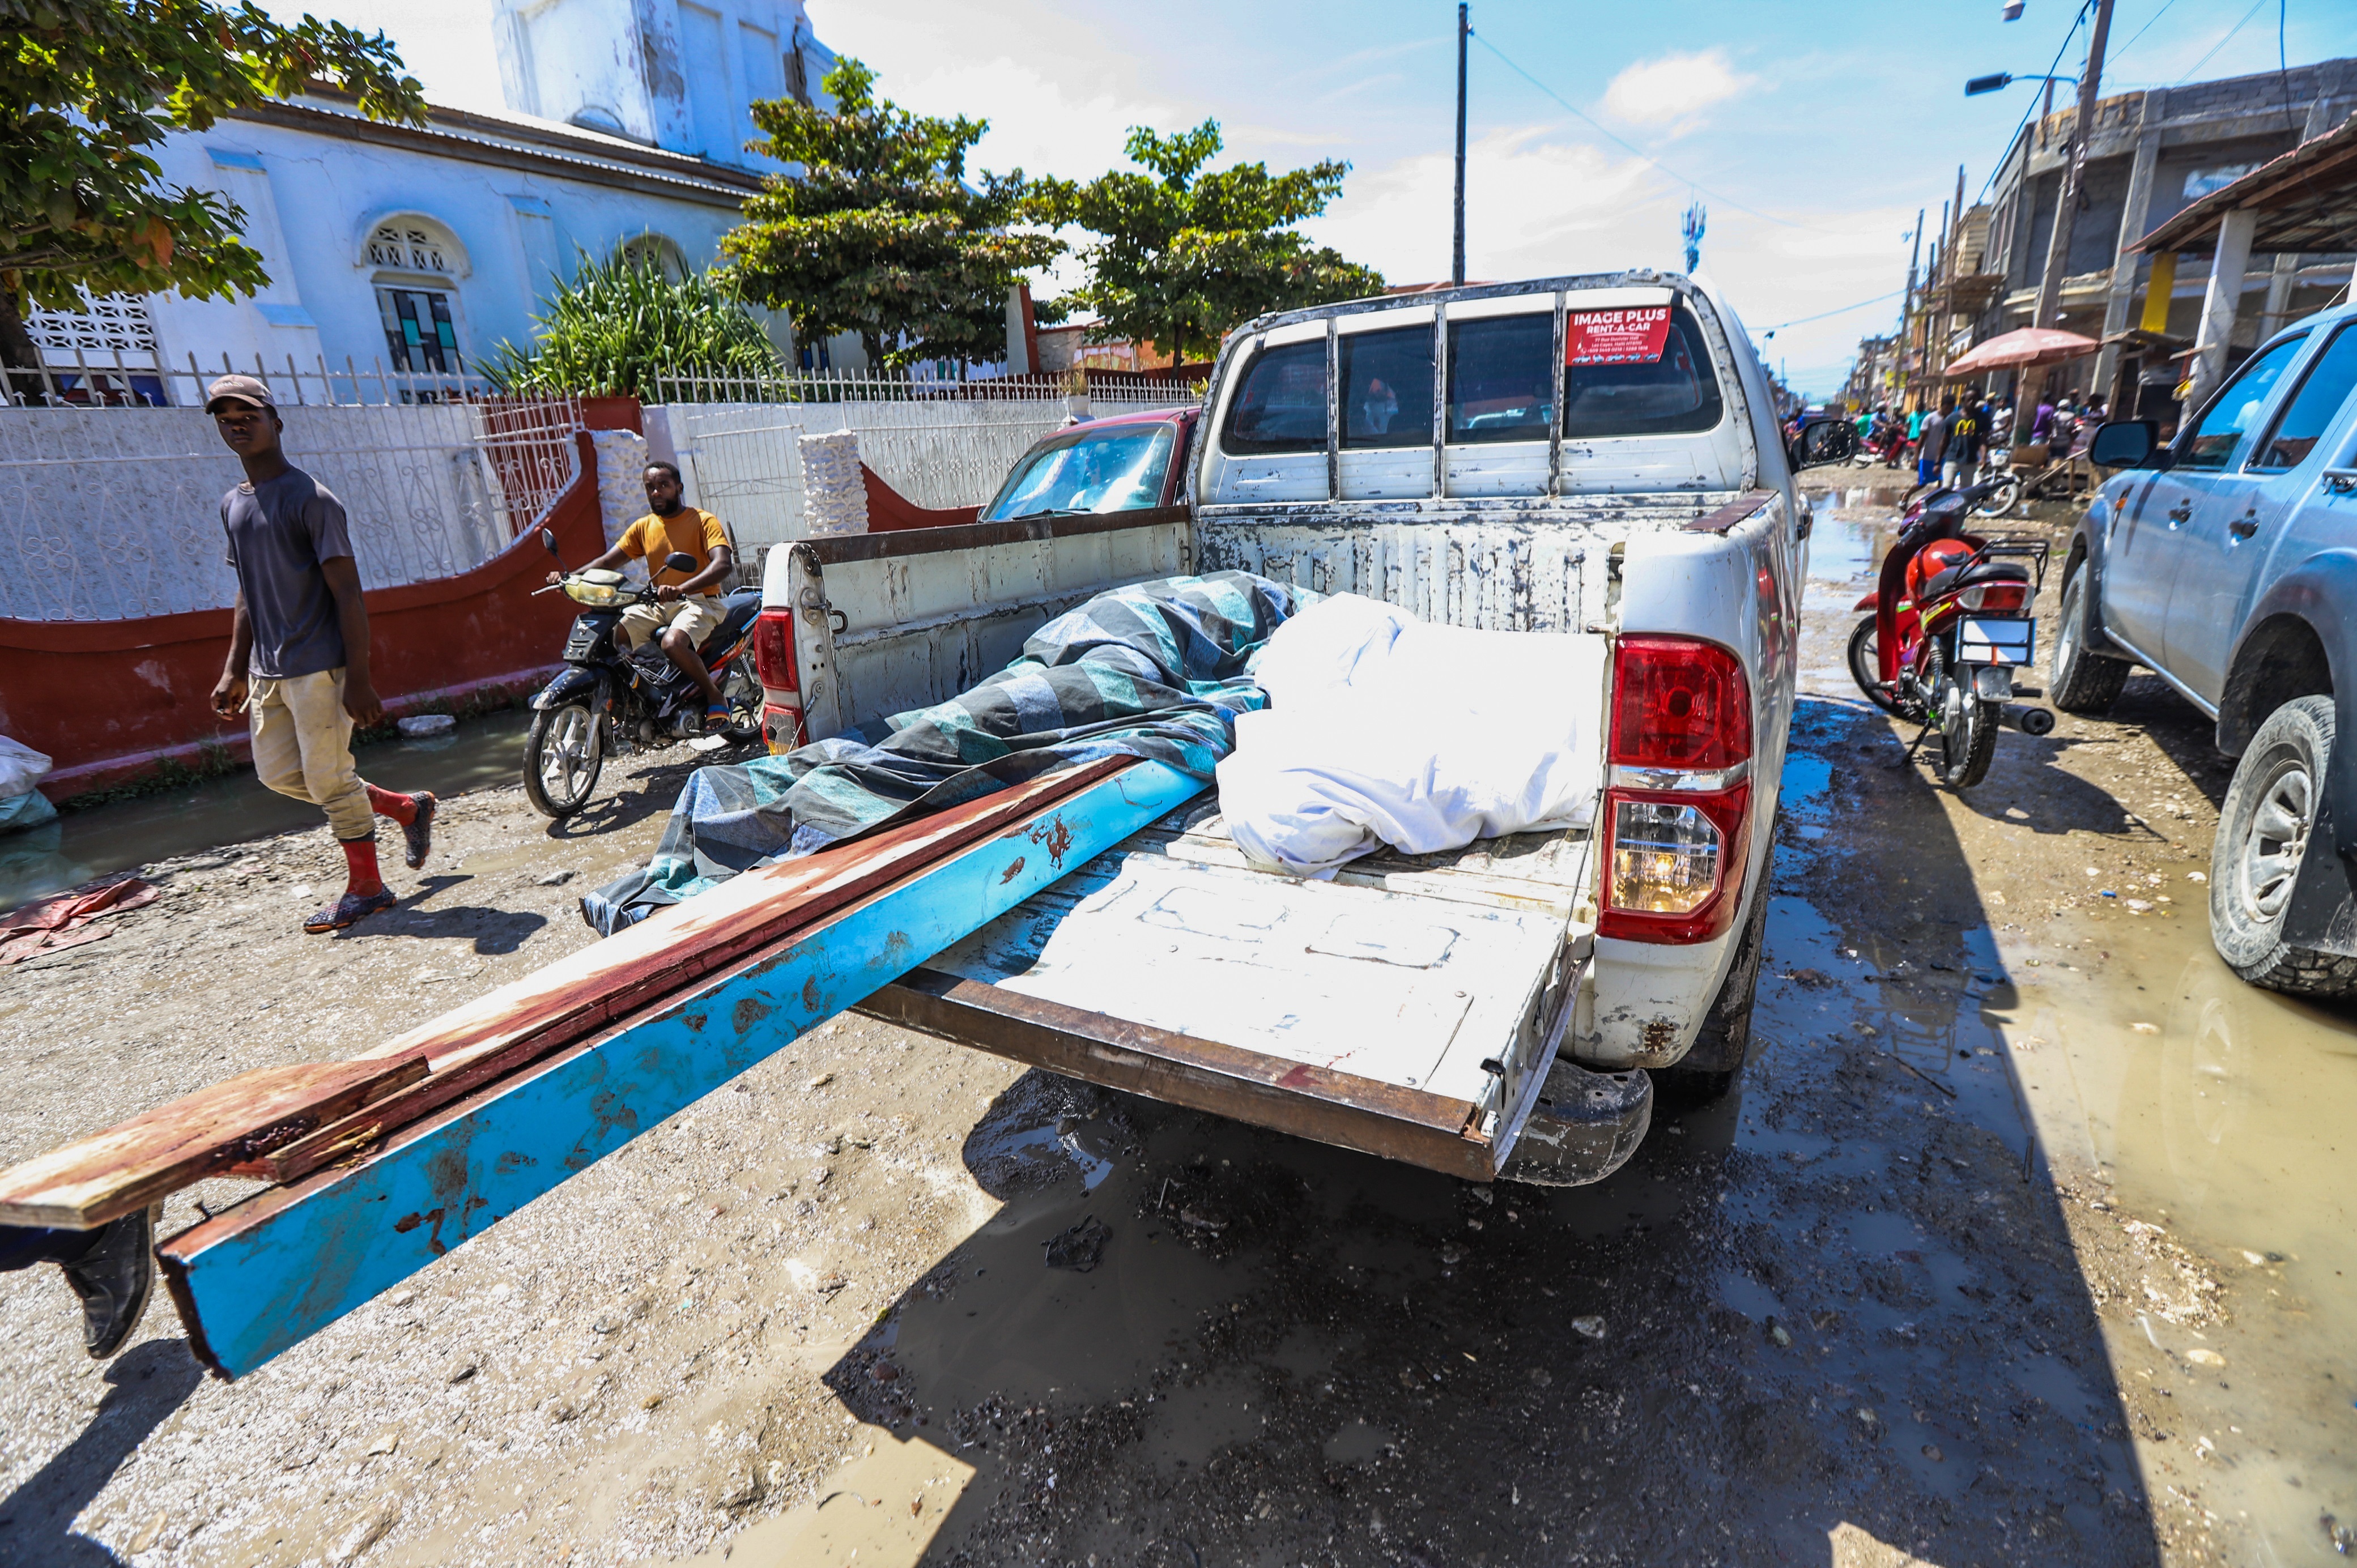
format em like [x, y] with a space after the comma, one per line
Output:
[690, 606]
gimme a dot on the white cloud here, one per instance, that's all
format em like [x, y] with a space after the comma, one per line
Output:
[1671, 91]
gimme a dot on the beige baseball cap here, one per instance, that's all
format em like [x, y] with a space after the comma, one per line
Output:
[246, 388]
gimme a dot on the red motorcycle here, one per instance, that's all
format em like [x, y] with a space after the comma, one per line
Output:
[1953, 620]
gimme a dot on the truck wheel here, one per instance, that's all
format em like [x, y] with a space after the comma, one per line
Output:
[1709, 1070]
[2263, 834]
[2082, 680]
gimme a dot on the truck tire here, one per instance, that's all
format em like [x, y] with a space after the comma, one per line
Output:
[2263, 834]
[1708, 1070]
[2082, 681]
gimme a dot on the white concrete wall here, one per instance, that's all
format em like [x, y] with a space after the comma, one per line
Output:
[115, 514]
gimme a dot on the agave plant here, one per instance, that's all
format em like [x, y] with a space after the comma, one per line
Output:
[621, 322]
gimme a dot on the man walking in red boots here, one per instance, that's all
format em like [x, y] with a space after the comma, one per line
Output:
[299, 654]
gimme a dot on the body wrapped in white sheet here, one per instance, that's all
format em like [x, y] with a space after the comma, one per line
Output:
[1383, 730]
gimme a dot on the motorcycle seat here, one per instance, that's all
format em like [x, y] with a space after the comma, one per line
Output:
[739, 609]
[1964, 577]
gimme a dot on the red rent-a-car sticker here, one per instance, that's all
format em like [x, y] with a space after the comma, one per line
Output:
[1635, 336]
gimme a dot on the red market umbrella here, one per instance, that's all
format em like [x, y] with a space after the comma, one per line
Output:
[2016, 349]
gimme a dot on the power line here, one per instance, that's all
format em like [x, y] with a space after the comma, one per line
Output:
[1823, 315]
[2221, 44]
[2140, 32]
[1642, 153]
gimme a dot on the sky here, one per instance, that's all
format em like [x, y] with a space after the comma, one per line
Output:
[1812, 134]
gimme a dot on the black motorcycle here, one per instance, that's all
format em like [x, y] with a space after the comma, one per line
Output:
[608, 701]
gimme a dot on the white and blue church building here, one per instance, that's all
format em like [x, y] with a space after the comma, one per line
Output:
[422, 248]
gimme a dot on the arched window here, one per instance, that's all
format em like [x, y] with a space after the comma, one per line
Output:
[658, 252]
[409, 245]
[417, 263]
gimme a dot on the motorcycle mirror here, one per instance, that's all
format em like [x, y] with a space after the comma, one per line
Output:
[680, 561]
[548, 541]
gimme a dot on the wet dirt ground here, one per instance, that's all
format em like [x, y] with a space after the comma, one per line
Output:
[2026, 1239]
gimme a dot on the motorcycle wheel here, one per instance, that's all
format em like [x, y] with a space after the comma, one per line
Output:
[1866, 669]
[562, 756]
[2001, 501]
[1967, 729]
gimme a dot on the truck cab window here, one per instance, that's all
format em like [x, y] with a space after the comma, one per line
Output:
[2210, 442]
[2323, 391]
[1281, 407]
[1673, 394]
[1500, 378]
[1387, 388]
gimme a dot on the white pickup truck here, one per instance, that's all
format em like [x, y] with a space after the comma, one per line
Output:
[1595, 456]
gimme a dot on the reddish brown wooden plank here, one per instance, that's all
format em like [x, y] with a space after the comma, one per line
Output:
[767, 905]
[282, 1122]
[110, 1173]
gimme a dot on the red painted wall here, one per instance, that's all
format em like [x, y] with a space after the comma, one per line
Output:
[109, 700]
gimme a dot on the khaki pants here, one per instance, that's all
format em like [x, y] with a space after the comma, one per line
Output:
[303, 747]
[695, 614]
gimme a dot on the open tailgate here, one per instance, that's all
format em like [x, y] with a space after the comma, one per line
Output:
[1410, 1008]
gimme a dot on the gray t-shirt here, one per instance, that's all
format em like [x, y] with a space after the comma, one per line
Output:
[1933, 444]
[278, 534]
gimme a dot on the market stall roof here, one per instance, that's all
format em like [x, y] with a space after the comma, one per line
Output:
[2305, 199]
[2016, 349]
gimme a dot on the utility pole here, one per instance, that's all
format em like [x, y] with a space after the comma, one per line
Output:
[2066, 209]
[1907, 311]
[1464, 30]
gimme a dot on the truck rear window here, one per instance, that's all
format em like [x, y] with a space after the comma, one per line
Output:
[1501, 380]
[1281, 407]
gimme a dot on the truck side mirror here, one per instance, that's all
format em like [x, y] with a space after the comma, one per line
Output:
[2123, 443]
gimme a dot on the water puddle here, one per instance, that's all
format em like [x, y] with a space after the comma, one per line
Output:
[2222, 1115]
[235, 808]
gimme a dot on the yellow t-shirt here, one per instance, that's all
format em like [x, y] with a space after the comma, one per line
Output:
[687, 531]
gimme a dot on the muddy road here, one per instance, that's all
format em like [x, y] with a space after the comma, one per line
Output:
[2026, 1239]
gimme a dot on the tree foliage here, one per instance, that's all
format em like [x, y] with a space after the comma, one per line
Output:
[1185, 255]
[882, 233]
[623, 320]
[87, 86]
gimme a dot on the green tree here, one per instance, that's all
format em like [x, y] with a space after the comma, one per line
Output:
[87, 87]
[1185, 255]
[622, 321]
[882, 233]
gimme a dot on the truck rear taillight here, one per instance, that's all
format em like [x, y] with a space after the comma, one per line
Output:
[1678, 804]
[1679, 703]
[773, 651]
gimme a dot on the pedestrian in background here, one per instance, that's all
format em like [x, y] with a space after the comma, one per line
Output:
[298, 655]
[1931, 441]
[1961, 451]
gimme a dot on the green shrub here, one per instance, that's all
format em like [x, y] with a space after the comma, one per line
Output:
[625, 320]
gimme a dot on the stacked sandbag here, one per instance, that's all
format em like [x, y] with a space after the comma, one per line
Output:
[22, 768]
[834, 491]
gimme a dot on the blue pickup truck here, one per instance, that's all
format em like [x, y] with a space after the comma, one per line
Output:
[2226, 563]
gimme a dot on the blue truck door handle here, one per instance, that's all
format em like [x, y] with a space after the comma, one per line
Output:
[2242, 528]
[2181, 513]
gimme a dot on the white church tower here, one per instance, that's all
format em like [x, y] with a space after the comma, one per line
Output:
[675, 74]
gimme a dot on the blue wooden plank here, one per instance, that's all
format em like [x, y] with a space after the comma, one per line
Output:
[278, 1268]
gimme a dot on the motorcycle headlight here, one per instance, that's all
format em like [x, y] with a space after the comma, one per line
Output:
[597, 596]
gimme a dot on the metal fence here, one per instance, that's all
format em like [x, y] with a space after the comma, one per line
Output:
[114, 381]
[939, 443]
[113, 513]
